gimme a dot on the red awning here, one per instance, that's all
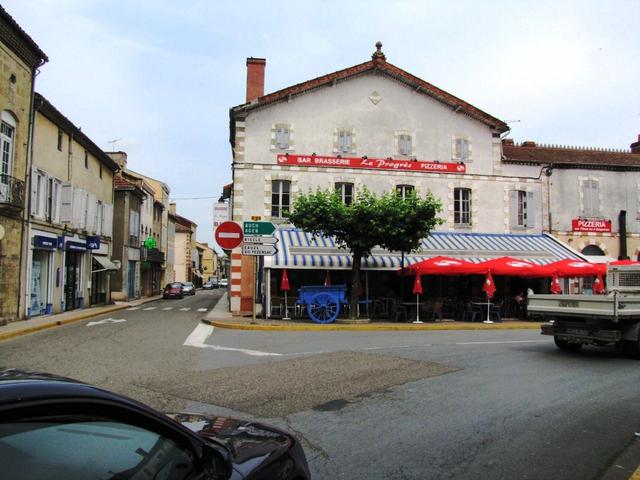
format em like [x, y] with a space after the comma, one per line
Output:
[442, 266]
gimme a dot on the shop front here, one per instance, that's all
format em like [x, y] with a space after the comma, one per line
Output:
[41, 284]
[74, 261]
[101, 268]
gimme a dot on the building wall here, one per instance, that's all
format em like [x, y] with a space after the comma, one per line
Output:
[182, 257]
[15, 101]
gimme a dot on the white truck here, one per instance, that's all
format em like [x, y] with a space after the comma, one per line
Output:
[612, 319]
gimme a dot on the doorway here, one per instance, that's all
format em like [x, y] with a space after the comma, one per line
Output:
[72, 278]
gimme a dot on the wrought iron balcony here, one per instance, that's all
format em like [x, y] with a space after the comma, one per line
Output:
[11, 192]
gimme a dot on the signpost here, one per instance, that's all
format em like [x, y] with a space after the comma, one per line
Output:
[228, 235]
[258, 242]
[258, 249]
[259, 228]
[260, 239]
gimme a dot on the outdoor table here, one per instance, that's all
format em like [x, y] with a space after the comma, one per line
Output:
[483, 310]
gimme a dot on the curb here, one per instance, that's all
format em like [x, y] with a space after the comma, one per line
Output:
[81, 315]
[366, 327]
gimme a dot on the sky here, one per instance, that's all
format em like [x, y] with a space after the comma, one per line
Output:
[160, 76]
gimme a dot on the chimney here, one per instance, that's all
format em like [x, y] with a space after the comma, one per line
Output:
[635, 146]
[255, 78]
[508, 142]
[529, 143]
[172, 208]
[120, 158]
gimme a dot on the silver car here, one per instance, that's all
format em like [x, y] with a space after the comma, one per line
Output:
[188, 288]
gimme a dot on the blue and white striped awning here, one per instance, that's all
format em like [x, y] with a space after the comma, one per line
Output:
[298, 249]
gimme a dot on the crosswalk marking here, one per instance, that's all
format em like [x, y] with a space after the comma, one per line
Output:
[186, 309]
[202, 309]
[134, 308]
[149, 308]
[167, 308]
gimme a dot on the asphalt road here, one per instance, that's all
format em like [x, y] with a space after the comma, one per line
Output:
[389, 405]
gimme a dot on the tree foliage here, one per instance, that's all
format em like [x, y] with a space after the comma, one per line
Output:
[389, 221]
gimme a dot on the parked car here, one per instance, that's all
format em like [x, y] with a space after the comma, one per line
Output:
[173, 290]
[208, 285]
[53, 427]
[188, 288]
[224, 282]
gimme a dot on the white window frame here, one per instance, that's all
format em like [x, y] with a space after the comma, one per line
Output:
[404, 190]
[7, 138]
[347, 192]
[283, 136]
[345, 141]
[461, 149]
[462, 206]
[405, 144]
[280, 197]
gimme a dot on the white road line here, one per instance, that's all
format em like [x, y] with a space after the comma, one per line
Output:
[202, 309]
[106, 320]
[202, 332]
[133, 308]
[496, 343]
[186, 309]
[167, 308]
[149, 308]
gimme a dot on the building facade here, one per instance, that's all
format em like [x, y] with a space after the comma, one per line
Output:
[184, 258]
[20, 58]
[378, 127]
[71, 217]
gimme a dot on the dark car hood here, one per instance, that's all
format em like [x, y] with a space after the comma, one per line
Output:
[252, 445]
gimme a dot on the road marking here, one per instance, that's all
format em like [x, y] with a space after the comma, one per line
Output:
[106, 320]
[186, 309]
[202, 309]
[497, 343]
[133, 308]
[149, 308]
[202, 332]
[167, 308]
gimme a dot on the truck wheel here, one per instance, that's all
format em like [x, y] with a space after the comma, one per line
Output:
[565, 345]
[631, 348]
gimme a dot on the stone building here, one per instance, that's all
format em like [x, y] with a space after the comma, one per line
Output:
[377, 126]
[185, 238]
[20, 58]
[71, 216]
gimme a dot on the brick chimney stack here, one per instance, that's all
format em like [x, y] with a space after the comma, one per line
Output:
[635, 146]
[255, 78]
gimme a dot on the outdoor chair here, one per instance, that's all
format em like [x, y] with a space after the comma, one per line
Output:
[277, 307]
[399, 312]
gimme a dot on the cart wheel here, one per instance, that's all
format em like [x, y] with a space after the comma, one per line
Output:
[323, 308]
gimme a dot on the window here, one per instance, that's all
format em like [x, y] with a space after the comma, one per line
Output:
[404, 190]
[282, 137]
[280, 198]
[6, 142]
[590, 198]
[345, 190]
[522, 209]
[404, 144]
[462, 206]
[99, 227]
[86, 159]
[345, 141]
[100, 170]
[60, 139]
[461, 149]
[74, 446]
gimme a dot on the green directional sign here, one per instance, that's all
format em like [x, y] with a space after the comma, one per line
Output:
[258, 228]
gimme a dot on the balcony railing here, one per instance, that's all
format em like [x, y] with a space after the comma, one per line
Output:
[11, 191]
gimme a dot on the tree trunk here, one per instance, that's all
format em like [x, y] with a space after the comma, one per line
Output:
[355, 284]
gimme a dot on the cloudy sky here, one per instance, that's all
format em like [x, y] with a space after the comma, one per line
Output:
[159, 76]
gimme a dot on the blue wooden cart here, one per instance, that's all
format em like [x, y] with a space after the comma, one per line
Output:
[323, 302]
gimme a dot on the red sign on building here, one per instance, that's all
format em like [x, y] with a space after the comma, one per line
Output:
[371, 163]
[590, 225]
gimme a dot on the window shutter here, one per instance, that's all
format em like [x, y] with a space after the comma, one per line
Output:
[531, 210]
[34, 191]
[91, 213]
[108, 220]
[66, 203]
[77, 215]
[513, 208]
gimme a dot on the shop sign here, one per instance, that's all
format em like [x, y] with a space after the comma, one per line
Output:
[371, 163]
[590, 225]
[75, 246]
[47, 243]
[93, 242]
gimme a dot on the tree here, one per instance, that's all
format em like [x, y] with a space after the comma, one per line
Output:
[389, 221]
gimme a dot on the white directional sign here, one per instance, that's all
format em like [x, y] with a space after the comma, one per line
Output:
[258, 249]
[261, 239]
[106, 320]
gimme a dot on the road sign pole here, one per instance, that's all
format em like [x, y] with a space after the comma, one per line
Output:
[255, 281]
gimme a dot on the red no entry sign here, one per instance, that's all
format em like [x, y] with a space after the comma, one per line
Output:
[228, 235]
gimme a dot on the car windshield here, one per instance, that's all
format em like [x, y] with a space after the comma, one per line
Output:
[174, 285]
[188, 284]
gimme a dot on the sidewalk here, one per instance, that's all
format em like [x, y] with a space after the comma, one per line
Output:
[23, 327]
[222, 318]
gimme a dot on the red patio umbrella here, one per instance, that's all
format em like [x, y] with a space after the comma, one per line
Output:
[602, 267]
[570, 268]
[417, 289]
[284, 286]
[442, 266]
[598, 285]
[489, 288]
[555, 284]
[510, 266]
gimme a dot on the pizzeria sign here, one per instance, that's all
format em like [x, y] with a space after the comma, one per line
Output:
[590, 225]
[371, 163]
